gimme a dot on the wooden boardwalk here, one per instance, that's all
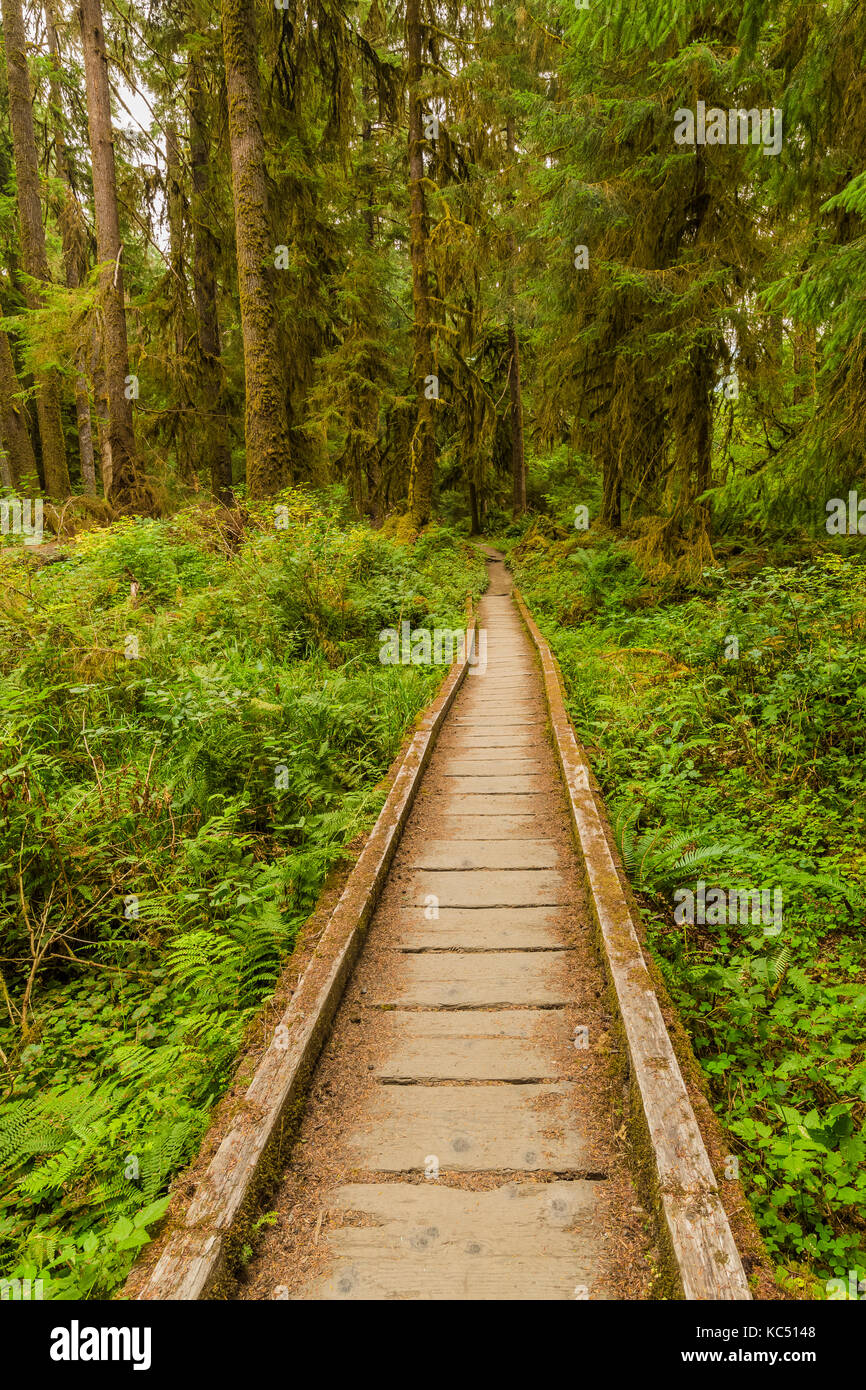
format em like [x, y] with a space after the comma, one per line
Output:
[459, 1140]
[474, 1053]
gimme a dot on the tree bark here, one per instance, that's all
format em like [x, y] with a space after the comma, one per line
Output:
[804, 361]
[123, 485]
[518, 458]
[174, 204]
[473, 507]
[73, 237]
[33, 252]
[611, 502]
[217, 448]
[267, 428]
[13, 425]
[103, 430]
[422, 447]
[187, 442]
[518, 455]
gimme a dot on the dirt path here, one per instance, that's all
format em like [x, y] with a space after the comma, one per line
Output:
[460, 1140]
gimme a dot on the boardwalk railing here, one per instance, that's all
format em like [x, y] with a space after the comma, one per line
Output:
[198, 1254]
[704, 1258]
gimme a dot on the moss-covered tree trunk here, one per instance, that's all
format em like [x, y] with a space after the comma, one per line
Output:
[611, 498]
[33, 252]
[217, 448]
[100, 400]
[188, 434]
[473, 509]
[422, 448]
[371, 458]
[267, 430]
[518, 452]
[804, 347]
[125, 488]
[74, 238]
[13, 424]
[518, 457]
[174, 207]
[691, 421]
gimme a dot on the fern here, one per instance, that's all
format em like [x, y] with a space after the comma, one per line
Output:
[767, 970]
[661, 859]
[44, 1125]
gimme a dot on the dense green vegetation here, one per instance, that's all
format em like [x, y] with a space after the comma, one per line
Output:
[168, 821]
[741, 772]
[409, 271]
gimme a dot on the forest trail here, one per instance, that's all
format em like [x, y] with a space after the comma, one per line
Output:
[458, 1141]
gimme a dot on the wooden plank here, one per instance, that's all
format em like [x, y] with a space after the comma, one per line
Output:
[471, 1129]
[471, 750]
[503, 766]
[501, 721]
[495, 700]
[510, 666]
[497, 786]
[500, 713]
[505, 682]
[490, 980]
[420, 1060]
[524, 1241]
[498, 827]
[483, 929]
[503, 1024]
[487, 887]
[480, 737]
[484, 804]
[461, 853]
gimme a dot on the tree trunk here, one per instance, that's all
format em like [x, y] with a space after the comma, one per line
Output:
[518, 455]
[73, 236]
[692, 429]
[123, 486]
[174, 203]
[33, 251]
[518, 458]
[13, 424]
[371, 453]
[611, 501]
[804, 362]
[187, 441]
[97, 376]
[85, 435]
[267, 428]
[473, 507]
[422, 448]
[217, 448]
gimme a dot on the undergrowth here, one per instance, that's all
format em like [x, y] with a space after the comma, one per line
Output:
[192, 734]
[741, 771]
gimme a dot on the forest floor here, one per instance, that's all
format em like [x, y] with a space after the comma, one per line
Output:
[725, 719]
